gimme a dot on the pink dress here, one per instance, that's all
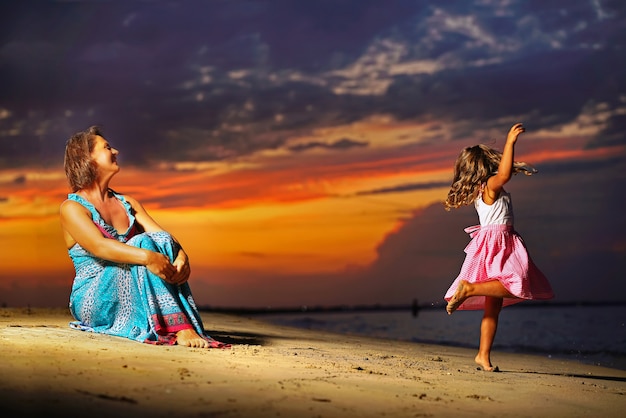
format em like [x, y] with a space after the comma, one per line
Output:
[497, 252]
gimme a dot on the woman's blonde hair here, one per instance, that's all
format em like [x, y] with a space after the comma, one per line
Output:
[472, 169]
[80, 169]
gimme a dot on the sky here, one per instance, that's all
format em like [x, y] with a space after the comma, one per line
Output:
[301, 151]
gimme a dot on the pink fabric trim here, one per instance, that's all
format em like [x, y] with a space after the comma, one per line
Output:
[104, 231]
[171, 323]
[131, 233]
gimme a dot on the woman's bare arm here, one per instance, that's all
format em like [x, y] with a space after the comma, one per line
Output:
[76, 221]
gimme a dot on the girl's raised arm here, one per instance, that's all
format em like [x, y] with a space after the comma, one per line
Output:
[505, 169]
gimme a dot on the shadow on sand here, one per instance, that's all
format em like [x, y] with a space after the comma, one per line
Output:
[580, 376]
[242, 338]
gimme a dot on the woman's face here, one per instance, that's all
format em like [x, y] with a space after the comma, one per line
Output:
[105, 156]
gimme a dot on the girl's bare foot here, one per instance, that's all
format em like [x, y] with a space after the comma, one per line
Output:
[458, 298]
[190, 338]
[485, 364]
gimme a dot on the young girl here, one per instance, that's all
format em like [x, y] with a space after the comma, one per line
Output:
[497, 270]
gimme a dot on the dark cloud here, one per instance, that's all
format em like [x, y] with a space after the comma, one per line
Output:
[613, 134]
[196, 80]
[583, 165]
[253, 254]
[342, 144]
[408, 187]
[549, 88]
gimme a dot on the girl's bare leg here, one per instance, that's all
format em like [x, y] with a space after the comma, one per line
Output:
[488, 328]
[190, 338]
[492, 288]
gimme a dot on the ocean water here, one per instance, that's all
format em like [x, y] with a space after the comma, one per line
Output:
[591, 334]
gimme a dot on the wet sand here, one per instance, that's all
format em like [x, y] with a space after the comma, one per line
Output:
[272, 371]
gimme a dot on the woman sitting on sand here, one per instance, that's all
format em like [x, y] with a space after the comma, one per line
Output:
[131, 275]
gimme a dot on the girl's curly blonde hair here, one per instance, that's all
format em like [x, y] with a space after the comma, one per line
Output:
[472, 169]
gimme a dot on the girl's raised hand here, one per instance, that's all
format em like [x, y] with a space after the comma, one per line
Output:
[514, 132]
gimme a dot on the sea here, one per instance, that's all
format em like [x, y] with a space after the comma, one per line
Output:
[587, 333]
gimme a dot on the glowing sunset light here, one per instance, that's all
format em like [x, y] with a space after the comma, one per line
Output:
[36, 245]
[321, 235]
[575, 154]
[308, 181]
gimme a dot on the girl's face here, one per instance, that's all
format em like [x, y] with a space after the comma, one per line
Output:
[104, 156]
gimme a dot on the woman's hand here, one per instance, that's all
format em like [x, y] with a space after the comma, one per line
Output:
[159, 264]
[183, 269]
[180, 267]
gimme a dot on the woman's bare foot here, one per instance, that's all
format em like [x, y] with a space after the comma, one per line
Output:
[458, 298]
[485, 364]
[190, 338]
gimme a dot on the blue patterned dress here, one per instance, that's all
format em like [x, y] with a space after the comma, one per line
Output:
[127, 300]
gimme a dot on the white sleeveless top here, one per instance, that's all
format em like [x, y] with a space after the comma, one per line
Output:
[499, 213]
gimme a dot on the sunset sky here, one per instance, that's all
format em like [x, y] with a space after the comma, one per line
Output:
[301, 151]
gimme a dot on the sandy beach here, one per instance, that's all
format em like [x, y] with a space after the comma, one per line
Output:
[271, 371]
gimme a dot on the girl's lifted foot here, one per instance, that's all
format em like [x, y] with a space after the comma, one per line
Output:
[190, 338]
[458, 298]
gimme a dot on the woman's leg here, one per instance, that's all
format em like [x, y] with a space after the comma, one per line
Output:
[488, 328]
[168, 305]
[492, 288]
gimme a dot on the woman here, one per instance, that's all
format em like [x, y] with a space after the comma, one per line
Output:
[131, 275]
